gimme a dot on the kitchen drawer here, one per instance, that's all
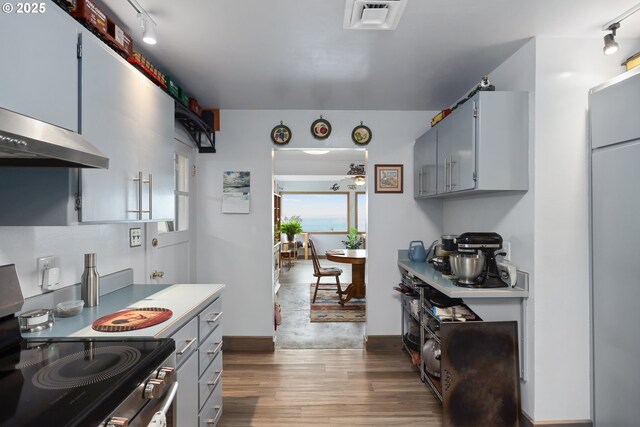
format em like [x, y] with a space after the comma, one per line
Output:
[209, 349]
[210, 380]
[209, 318]
[186, 341]
[212, 410]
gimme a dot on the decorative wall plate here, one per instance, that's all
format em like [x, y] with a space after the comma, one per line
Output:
[281, 134]
[321, 128]
[361, 134]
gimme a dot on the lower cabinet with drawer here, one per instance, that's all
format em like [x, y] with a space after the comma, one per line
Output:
[199, 362]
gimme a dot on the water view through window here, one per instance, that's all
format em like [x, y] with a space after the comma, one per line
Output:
[317, 212]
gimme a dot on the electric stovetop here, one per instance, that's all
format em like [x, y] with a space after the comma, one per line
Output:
[73, 382]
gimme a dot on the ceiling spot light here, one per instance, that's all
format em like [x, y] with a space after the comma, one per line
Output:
[148, 29]
[610, 44]
[316, 152]
[360, 180]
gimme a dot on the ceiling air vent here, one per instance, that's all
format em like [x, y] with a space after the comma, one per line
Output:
[373, 14]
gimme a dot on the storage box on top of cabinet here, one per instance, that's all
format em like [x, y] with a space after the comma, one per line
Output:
[483, 146]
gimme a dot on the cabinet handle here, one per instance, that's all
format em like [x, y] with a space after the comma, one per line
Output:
[215, 350]
[213, 421]
[150, 182]
[420, 182]
[451, 163]
[215, 319]
[215, 382]
[446, 174]
[139, 180]
[186, 347]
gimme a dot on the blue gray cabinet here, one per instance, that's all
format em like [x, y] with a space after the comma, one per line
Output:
[615, 209]
[39, 72]
[199, 362]
[481, 147]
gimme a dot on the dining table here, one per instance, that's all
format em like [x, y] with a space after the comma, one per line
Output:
[357, 258]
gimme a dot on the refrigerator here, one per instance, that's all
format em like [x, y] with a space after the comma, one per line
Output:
[614, 111]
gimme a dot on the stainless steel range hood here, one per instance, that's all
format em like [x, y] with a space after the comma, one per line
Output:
[25, 141]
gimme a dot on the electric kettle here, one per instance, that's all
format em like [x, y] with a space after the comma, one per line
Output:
[417, 253]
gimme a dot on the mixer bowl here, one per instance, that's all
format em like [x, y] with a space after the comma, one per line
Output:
[466, 266]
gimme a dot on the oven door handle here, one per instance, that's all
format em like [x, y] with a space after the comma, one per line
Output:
[160, 417]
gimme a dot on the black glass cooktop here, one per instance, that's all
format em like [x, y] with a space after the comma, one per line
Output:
[73, 382]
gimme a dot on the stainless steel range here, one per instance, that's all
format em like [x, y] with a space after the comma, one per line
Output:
[80, 382]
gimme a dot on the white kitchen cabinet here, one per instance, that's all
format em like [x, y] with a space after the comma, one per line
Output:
[39, 72]
[199, 362]
[131, 121]
[482, 146]
[425, 167]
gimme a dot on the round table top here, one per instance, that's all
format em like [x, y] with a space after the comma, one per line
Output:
[351, 256]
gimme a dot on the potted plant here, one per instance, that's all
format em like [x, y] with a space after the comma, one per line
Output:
[353, 239]
[291, 228]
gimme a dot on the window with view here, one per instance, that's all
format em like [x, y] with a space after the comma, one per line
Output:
[318, 212]
[181, 222]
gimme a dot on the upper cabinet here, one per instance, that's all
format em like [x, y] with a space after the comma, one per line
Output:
[132, 122]
[481, 147]
[614, 110]
[39, 72]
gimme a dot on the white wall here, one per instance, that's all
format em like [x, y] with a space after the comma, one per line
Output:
[236, 249]
[22, 245]
[565, 71]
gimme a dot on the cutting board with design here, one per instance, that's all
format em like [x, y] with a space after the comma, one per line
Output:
[132, 319]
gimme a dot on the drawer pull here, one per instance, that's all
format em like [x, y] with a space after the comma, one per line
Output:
[215, 319]
[215, 350]
[186, 347]
[215, 382]
[214, 421]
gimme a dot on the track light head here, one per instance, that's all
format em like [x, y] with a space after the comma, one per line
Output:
[610, 44]
[148, 29]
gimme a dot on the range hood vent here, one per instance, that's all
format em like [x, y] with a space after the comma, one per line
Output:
[373, 14]
[25, 141]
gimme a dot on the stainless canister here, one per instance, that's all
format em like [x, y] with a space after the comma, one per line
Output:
[90, 282]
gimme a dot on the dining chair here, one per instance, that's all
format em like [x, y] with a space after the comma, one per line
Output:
[319, 272]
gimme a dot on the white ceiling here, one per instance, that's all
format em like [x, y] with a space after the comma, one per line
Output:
[294, 54]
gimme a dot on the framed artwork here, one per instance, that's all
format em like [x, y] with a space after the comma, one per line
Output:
[361, 135]
[281, 134]
[321, 128]
[236, 191]
[389, 178]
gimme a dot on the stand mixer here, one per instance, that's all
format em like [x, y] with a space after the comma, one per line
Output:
[487, 244]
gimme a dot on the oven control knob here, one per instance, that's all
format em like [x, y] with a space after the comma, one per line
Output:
[153, 389]
[168, 375]
[118, 422]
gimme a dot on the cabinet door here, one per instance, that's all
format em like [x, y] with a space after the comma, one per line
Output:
[39, 72]
[187, 402]
[462, 149]
[156, 150]
[614, 112]
[109, 111]
[425, 163]
[445, 144]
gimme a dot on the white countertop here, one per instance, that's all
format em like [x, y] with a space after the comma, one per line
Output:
[184, 300]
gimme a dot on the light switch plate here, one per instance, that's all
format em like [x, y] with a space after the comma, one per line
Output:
[135, 237]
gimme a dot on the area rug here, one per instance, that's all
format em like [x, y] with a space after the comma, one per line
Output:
[328, 309]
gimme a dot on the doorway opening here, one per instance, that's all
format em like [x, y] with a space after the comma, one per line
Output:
[329, 201]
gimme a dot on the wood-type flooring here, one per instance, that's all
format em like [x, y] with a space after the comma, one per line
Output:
[325, 388]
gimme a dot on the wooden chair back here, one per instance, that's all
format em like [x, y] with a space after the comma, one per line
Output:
[314, 257]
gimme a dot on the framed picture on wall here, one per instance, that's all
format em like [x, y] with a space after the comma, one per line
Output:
[389, 178]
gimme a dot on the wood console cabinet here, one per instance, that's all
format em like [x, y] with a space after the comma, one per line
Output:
[481, 147]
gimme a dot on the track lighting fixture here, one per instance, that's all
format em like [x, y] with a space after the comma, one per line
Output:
[147, 24]
[610, 44]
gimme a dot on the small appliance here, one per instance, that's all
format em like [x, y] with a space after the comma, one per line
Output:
[487, 244]
[417, 252]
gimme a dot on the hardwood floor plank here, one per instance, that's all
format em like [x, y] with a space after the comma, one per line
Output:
[309, 387]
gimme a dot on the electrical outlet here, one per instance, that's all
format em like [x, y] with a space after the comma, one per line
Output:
[44, 263]
[506, 247]
[135, 237]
